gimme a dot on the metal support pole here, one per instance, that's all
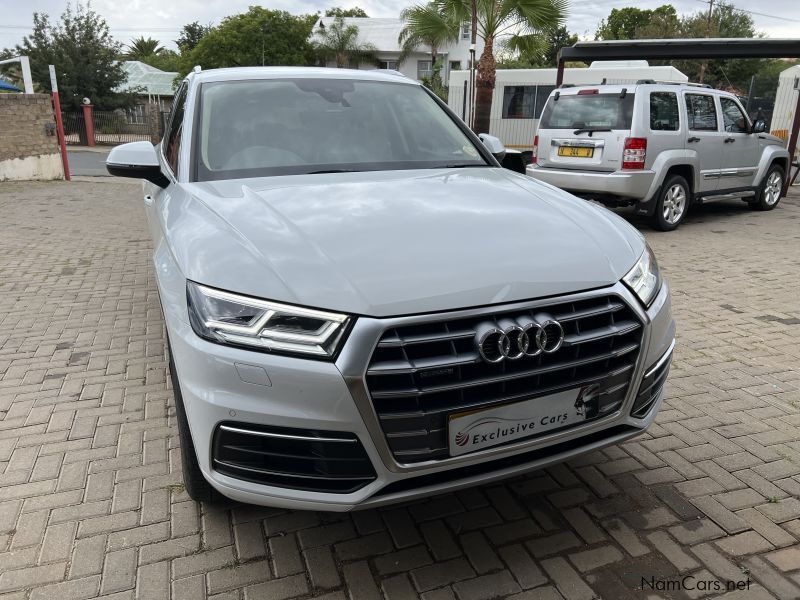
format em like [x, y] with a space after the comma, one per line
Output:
[62, 142]
[792, 147]
[560, 72]
[750, 95]
[464, 103]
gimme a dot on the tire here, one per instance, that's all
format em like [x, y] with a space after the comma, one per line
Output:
[769, 192]
[672, 203]
[196, 485]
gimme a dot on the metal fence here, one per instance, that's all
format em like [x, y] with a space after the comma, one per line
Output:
[115, 127]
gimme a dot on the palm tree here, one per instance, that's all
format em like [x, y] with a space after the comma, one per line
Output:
[427, 25]
[521, 21]
[340, 41]
[142, 48]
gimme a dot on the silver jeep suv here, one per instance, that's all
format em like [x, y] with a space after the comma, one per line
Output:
[658, 146]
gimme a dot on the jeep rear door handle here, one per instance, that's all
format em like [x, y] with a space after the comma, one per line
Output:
[730, 140]
[693, 139]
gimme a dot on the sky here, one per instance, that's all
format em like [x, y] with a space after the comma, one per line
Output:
[163, 19]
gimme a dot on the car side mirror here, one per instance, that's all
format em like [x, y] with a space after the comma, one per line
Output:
[494, 145]
[137, 160]
[760, 126]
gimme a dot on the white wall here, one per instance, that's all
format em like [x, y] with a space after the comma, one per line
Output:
[42, 167]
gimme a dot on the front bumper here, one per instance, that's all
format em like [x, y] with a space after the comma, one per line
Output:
[309, 394]
[636, 185]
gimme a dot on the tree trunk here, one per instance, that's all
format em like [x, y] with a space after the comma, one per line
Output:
[484, 86]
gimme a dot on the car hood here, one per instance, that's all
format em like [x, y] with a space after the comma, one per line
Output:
[397, 242]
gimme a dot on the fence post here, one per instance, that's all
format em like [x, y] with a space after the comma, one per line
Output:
[88, 120]
[154, 123]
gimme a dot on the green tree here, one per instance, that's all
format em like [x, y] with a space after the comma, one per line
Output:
[142, 48]
[522, 22]
[84, 54]
[339, 41]
[166, 60]
[631, 23]
[538, 52]
[190, 36]
[257, 37]
[726, 22]
[346, 12]
[427, 25]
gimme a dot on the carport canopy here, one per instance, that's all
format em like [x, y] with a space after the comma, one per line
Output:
[672, 49]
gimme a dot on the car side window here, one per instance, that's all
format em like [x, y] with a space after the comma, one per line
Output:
[733, 117]
[701, 112]
[664, 114]
[172, 138]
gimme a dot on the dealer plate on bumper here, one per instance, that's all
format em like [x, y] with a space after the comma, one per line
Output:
[478, 429]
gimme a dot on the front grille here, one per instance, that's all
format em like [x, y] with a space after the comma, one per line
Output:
[420, 374]
[314, 461]
[650, 388]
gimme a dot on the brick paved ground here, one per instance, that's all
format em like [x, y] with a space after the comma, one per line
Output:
[91, 501]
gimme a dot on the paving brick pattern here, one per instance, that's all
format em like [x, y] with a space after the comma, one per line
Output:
[91, 500]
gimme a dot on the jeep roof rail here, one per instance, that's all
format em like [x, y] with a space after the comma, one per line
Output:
[689, 83]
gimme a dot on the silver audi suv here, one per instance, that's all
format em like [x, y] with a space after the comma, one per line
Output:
[363, 307]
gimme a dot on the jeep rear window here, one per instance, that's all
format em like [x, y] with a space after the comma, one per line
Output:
[591, 111]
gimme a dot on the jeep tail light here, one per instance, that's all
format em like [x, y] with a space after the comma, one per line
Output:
[634, 154]
[587, 92]
[535, 153]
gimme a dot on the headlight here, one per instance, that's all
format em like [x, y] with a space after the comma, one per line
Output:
[232, 319]
[644, 278]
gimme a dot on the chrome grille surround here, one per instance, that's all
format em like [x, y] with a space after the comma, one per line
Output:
[368, 332]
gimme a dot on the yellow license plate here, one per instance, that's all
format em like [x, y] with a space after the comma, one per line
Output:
[576, 152]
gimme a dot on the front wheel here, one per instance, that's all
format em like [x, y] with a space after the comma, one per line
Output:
[769, 194]
[672, 204]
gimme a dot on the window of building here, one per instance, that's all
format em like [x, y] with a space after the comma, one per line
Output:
[701, 112]
[664, 114]
[424, 69]
[387, 64]
[455, 65]
[466, 30]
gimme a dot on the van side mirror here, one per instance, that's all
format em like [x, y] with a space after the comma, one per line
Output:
[760, 126]
[494, 145]
[137, 160]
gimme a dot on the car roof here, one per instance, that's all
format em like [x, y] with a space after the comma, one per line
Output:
[240, 73]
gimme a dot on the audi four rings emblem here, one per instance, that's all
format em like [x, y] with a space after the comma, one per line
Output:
[514, 338]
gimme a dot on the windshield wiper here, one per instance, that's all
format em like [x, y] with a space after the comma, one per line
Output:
[590, 130]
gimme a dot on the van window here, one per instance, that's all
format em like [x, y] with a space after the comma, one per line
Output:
[525, 101]
[664, 111]
[593, 111]
[701, 112]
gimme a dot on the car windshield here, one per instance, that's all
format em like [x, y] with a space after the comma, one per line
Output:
[264, 127]
[588, 111]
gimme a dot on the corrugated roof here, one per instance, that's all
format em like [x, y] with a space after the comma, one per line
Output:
[381, 33]
[154, 81]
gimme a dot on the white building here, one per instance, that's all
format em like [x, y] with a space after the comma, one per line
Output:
[383, 34]
[520, 94]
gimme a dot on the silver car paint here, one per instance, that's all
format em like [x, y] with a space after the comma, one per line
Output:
[195, 226]
[396, 242]
[715, 165]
